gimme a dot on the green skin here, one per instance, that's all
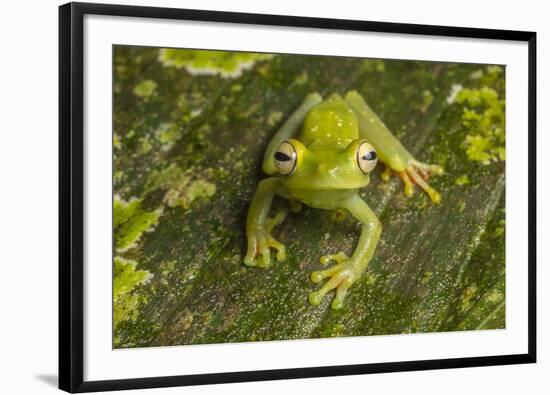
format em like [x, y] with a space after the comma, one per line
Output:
[326, 136]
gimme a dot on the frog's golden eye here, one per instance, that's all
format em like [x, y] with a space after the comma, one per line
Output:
[285, 158]
[366, 157]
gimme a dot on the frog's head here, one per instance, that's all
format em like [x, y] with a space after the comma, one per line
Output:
[337, 167]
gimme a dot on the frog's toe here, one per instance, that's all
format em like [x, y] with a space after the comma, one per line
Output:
[417, 173]
[259, 250]
[249, 261]
[428, 168]
[318, 276]
[315, 298]
[341, 291]
[341, 276]
[421, 182]
[338, 258]
[280, 248]
[250, 258]
[258, 254]
[386, 174]
[270, 223]
[408, 185]
[264, 256]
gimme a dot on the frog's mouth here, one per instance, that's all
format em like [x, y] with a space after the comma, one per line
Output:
[326, 185]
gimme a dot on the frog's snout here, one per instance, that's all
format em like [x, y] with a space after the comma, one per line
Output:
[322, 168]
[326, 170]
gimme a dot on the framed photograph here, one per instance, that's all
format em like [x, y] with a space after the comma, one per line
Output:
[253, 197]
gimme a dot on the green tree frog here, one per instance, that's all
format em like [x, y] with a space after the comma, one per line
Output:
[321, 156]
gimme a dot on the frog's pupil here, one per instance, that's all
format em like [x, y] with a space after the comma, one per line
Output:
[370, 156]
[282, 157]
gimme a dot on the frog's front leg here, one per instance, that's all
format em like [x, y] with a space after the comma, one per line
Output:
[259, 226]
[391, 152]
[349, 269]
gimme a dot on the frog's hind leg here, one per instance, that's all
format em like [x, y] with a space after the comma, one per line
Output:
[348, 269]
[390, 150]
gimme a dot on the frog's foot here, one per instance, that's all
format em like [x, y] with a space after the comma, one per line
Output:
[420, 172]
[416, 173]
[260, 241]
[342, 276]
[259, 244]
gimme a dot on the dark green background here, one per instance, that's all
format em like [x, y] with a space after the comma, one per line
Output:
[436, 268]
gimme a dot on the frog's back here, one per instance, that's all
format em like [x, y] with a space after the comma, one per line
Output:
[329, 124]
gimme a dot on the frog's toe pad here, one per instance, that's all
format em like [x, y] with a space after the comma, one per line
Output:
[316, 277]
[259, 250]
[315, 298]
[341, 277]
[341, 257]
[419, 176]
[337, 304]
[418, 173]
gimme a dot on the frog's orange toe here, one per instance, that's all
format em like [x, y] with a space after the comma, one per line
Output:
[409, 188]
[417, 173]
[421, 182]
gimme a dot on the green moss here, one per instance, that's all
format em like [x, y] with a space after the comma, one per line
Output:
[145, 146]
[495, 296]
[274, 118]
[483, 118]
[468, 297]
[462, 180]
[187, 193]
[500, 228]
[492, 76]
[476, 74]
[167, 134]
[167, 268]
[126, 278]
[376, 65]
[205, 62]
[130, 221]
[213, 131]
[145, 88]
[182, 187]
[301, 78]
[426, 278]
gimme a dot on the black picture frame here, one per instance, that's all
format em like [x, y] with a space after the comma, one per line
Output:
[71, 198]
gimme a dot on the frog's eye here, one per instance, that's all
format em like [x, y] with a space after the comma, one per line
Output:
[285, 158]
[366, 157]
